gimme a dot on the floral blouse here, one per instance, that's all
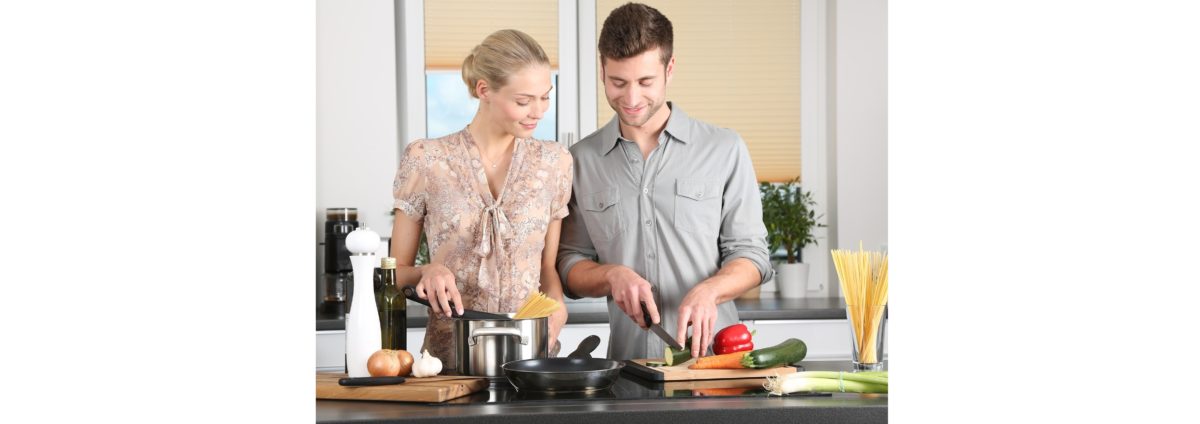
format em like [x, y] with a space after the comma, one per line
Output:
[493, 246]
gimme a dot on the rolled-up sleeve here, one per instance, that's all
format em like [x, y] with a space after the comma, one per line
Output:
[574, 245]
[743, 234]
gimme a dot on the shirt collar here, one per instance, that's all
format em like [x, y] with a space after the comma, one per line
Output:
[678, 127]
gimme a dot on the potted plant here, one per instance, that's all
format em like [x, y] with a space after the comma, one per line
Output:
[790, 216]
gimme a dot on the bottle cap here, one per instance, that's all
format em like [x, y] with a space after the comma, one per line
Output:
[389, 263]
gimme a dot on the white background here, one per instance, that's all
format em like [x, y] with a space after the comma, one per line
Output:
[1041, 210]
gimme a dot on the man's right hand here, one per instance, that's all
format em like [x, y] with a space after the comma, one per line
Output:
[629, 290]
[437, 285]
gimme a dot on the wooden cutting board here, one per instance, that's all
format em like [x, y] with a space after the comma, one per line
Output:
[428, 389]
[682, 373]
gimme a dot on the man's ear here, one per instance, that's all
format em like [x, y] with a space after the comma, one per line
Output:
[670, 68]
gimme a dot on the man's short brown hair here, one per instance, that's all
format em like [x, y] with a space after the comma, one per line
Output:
[633, 29]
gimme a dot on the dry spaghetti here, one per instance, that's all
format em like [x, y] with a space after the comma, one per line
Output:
[864, 282]
[537, 305]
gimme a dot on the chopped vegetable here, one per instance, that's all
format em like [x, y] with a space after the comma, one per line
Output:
[676, 357]
[726, 361]
[655, 363]
[788, 352]
[828, 382]
[734, 338]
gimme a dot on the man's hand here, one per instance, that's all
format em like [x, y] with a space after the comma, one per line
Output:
[699, 309]
[629, 290]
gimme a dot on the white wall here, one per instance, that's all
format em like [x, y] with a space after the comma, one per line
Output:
[357, 122]
[860, 133]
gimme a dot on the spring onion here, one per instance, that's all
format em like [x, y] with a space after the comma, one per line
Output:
[828, 382]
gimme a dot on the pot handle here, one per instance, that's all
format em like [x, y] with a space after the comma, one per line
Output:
[497, 331]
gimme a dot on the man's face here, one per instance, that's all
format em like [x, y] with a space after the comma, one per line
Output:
[636, 87]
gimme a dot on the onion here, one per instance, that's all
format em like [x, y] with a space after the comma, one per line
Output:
[406, 362]
[383, 363]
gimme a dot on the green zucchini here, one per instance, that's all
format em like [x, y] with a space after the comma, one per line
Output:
[786, 353]
[675, 357]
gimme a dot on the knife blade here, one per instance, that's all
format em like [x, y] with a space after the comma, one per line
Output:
[369, 381]
[658, 330]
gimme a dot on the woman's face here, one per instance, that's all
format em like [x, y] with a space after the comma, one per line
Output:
[518, 106]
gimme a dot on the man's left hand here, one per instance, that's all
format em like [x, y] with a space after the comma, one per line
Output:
[698, 309]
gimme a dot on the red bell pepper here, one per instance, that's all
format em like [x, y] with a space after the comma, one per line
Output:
[734, 338]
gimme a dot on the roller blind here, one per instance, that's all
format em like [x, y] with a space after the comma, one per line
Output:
[454, 27]
[737, 66]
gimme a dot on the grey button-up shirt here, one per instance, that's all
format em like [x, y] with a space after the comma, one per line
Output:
[674, 218]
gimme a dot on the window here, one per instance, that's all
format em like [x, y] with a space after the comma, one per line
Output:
[452, 29]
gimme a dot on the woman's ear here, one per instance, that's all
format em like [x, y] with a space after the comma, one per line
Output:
[482, 91]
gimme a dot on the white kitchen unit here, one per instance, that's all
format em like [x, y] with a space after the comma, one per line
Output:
[331, 348]
[331, 345]
[826, 339]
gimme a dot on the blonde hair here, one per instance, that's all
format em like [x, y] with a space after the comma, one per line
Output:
[499, 56]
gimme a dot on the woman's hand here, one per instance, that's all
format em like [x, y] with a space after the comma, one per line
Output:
[437, 285]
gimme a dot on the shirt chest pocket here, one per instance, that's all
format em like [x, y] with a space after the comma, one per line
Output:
[602, 214]
[698, 206]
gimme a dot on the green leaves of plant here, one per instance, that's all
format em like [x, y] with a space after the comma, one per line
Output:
[790, 216]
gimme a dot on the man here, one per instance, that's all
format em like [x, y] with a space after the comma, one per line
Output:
[665, 209]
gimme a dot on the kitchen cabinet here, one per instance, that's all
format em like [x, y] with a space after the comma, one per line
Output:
[331, 348]
[826, 339]
[331, 345]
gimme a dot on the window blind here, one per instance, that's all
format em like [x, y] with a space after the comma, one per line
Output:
[737, 65]
[454, 27]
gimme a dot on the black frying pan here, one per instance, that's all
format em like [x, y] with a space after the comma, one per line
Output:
[578, 372]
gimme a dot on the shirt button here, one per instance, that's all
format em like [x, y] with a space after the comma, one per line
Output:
[599, 204]
[645, 190]
[699, 193]
[651, 256]
[637, 160]
[648, 222]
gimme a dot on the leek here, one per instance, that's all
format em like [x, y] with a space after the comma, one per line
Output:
[828, 382]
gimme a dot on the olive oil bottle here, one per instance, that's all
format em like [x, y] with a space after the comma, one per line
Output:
[391, 302]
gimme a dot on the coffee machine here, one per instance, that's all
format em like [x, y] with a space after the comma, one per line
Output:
[338, 276]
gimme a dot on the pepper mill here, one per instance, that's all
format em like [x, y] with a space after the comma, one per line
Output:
[362, 322]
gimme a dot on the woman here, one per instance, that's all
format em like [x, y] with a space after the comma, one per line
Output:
[489, 198]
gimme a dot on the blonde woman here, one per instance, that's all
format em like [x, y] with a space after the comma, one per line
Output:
[489, 198]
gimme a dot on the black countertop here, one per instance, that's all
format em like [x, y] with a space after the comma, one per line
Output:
[631, 400]
[592, 311]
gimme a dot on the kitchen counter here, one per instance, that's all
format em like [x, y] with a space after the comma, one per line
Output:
[636, 400]
[592, 311]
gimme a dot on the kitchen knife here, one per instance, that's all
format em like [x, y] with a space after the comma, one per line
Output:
[369, 381]
[658, 330]
[411, 294]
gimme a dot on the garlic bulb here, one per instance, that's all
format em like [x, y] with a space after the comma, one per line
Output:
[427, 366]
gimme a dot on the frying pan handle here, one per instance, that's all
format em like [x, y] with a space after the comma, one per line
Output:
[411, 294]
[586, 347]
[497, 331]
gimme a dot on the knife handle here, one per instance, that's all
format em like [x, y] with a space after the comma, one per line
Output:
[369, 381]
[646, 315]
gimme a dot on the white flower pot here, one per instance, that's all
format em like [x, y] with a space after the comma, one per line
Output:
[792, 280]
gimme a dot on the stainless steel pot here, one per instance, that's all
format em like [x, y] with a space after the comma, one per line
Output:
[482, 346]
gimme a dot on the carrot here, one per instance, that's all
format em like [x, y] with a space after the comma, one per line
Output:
[726, 361]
